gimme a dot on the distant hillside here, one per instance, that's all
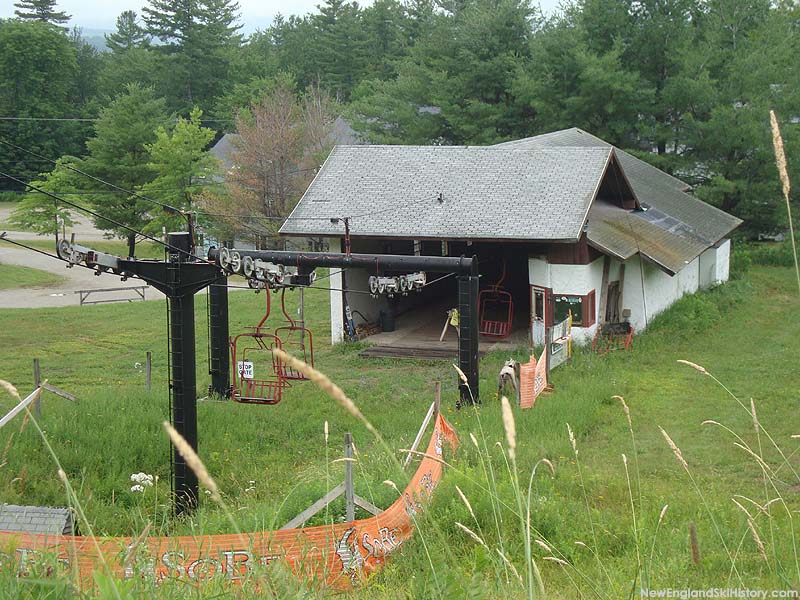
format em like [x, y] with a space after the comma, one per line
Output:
[95, 37]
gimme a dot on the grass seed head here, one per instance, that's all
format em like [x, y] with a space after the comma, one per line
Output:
[193, 461]
[757, 458]
[780, 155]
[325, 429]
[546, 462]
[695, 366]
[754, 415]
[9, 388]
[391, 484]
[461, 375]
[572, 440]
[466, 502]
[742, 508]
[326, 385]
[558, 561]
[626, 409]
[675, 450]
[510, 427]
[663, 512]
[474, 440]
[510, 565]
[757, 540]
[544, 546]
[472, 534]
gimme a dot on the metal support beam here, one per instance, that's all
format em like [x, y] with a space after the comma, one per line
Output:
[219, 367]
[468, 337]
[184, 380]
[374, 262]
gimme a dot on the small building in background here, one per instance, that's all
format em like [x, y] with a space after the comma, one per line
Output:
[45, 520]
[563, 222]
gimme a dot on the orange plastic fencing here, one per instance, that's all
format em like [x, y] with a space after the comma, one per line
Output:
[338, 556]
[532, 381]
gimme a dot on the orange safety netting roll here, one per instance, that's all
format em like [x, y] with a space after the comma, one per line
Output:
[338, 556]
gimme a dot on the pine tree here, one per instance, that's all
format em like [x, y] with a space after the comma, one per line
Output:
[129, 33]
[340, 46]
[199, 37]
[40, 10]
[118, 153]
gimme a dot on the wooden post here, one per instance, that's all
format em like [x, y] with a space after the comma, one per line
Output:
[349, 492]
[437, 398]
[601, 317]
[36, 383]
[148, 369]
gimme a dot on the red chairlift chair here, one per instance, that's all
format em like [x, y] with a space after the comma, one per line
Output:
[251, 355]
[293, 340]
[496, 309]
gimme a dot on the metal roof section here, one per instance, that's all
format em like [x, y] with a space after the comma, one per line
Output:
[653, 186]
[669, 243]
[37, 519]
[453, 192]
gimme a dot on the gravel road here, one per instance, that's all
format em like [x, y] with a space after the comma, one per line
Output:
[77, 278]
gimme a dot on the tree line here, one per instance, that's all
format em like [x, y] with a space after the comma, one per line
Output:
[685, 84]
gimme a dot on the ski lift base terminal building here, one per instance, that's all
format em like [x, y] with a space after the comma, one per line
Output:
[560, 223]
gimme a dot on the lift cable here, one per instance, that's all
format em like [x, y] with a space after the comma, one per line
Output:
[4, 237]
[99, 216]
[93, 178]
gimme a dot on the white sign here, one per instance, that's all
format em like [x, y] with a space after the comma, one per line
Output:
[245, 369]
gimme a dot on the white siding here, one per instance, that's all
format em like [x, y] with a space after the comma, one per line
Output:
[576, 280]
[715, 264]
[337, 305]
[660, 290]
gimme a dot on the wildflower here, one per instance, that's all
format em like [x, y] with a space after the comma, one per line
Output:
[137, 488]
[142, 479]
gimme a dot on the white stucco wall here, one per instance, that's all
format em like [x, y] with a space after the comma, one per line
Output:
[660, 290]
[337, 305]
[570, 280]
[715, 264]
[356, 280]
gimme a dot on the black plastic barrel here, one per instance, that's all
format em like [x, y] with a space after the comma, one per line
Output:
[387, 320]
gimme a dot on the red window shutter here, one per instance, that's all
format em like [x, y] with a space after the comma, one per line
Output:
[588, 309]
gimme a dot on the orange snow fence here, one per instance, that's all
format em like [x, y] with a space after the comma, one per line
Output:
[338, 556]
[532, 381]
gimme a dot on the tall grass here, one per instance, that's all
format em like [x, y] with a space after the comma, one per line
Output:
[592, 527]
[786, 186]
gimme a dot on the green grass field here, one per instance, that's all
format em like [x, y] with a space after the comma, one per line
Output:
[116, 247]
[14, 276]
[271, 461]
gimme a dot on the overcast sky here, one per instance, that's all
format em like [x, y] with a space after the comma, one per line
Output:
[101, 14]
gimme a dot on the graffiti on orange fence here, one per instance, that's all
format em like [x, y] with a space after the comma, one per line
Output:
[339, 556]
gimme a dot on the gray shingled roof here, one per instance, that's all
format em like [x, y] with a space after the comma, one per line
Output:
[226, 146]
[490, 193]
[652, 186]
[37, 519]
[224, 149]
